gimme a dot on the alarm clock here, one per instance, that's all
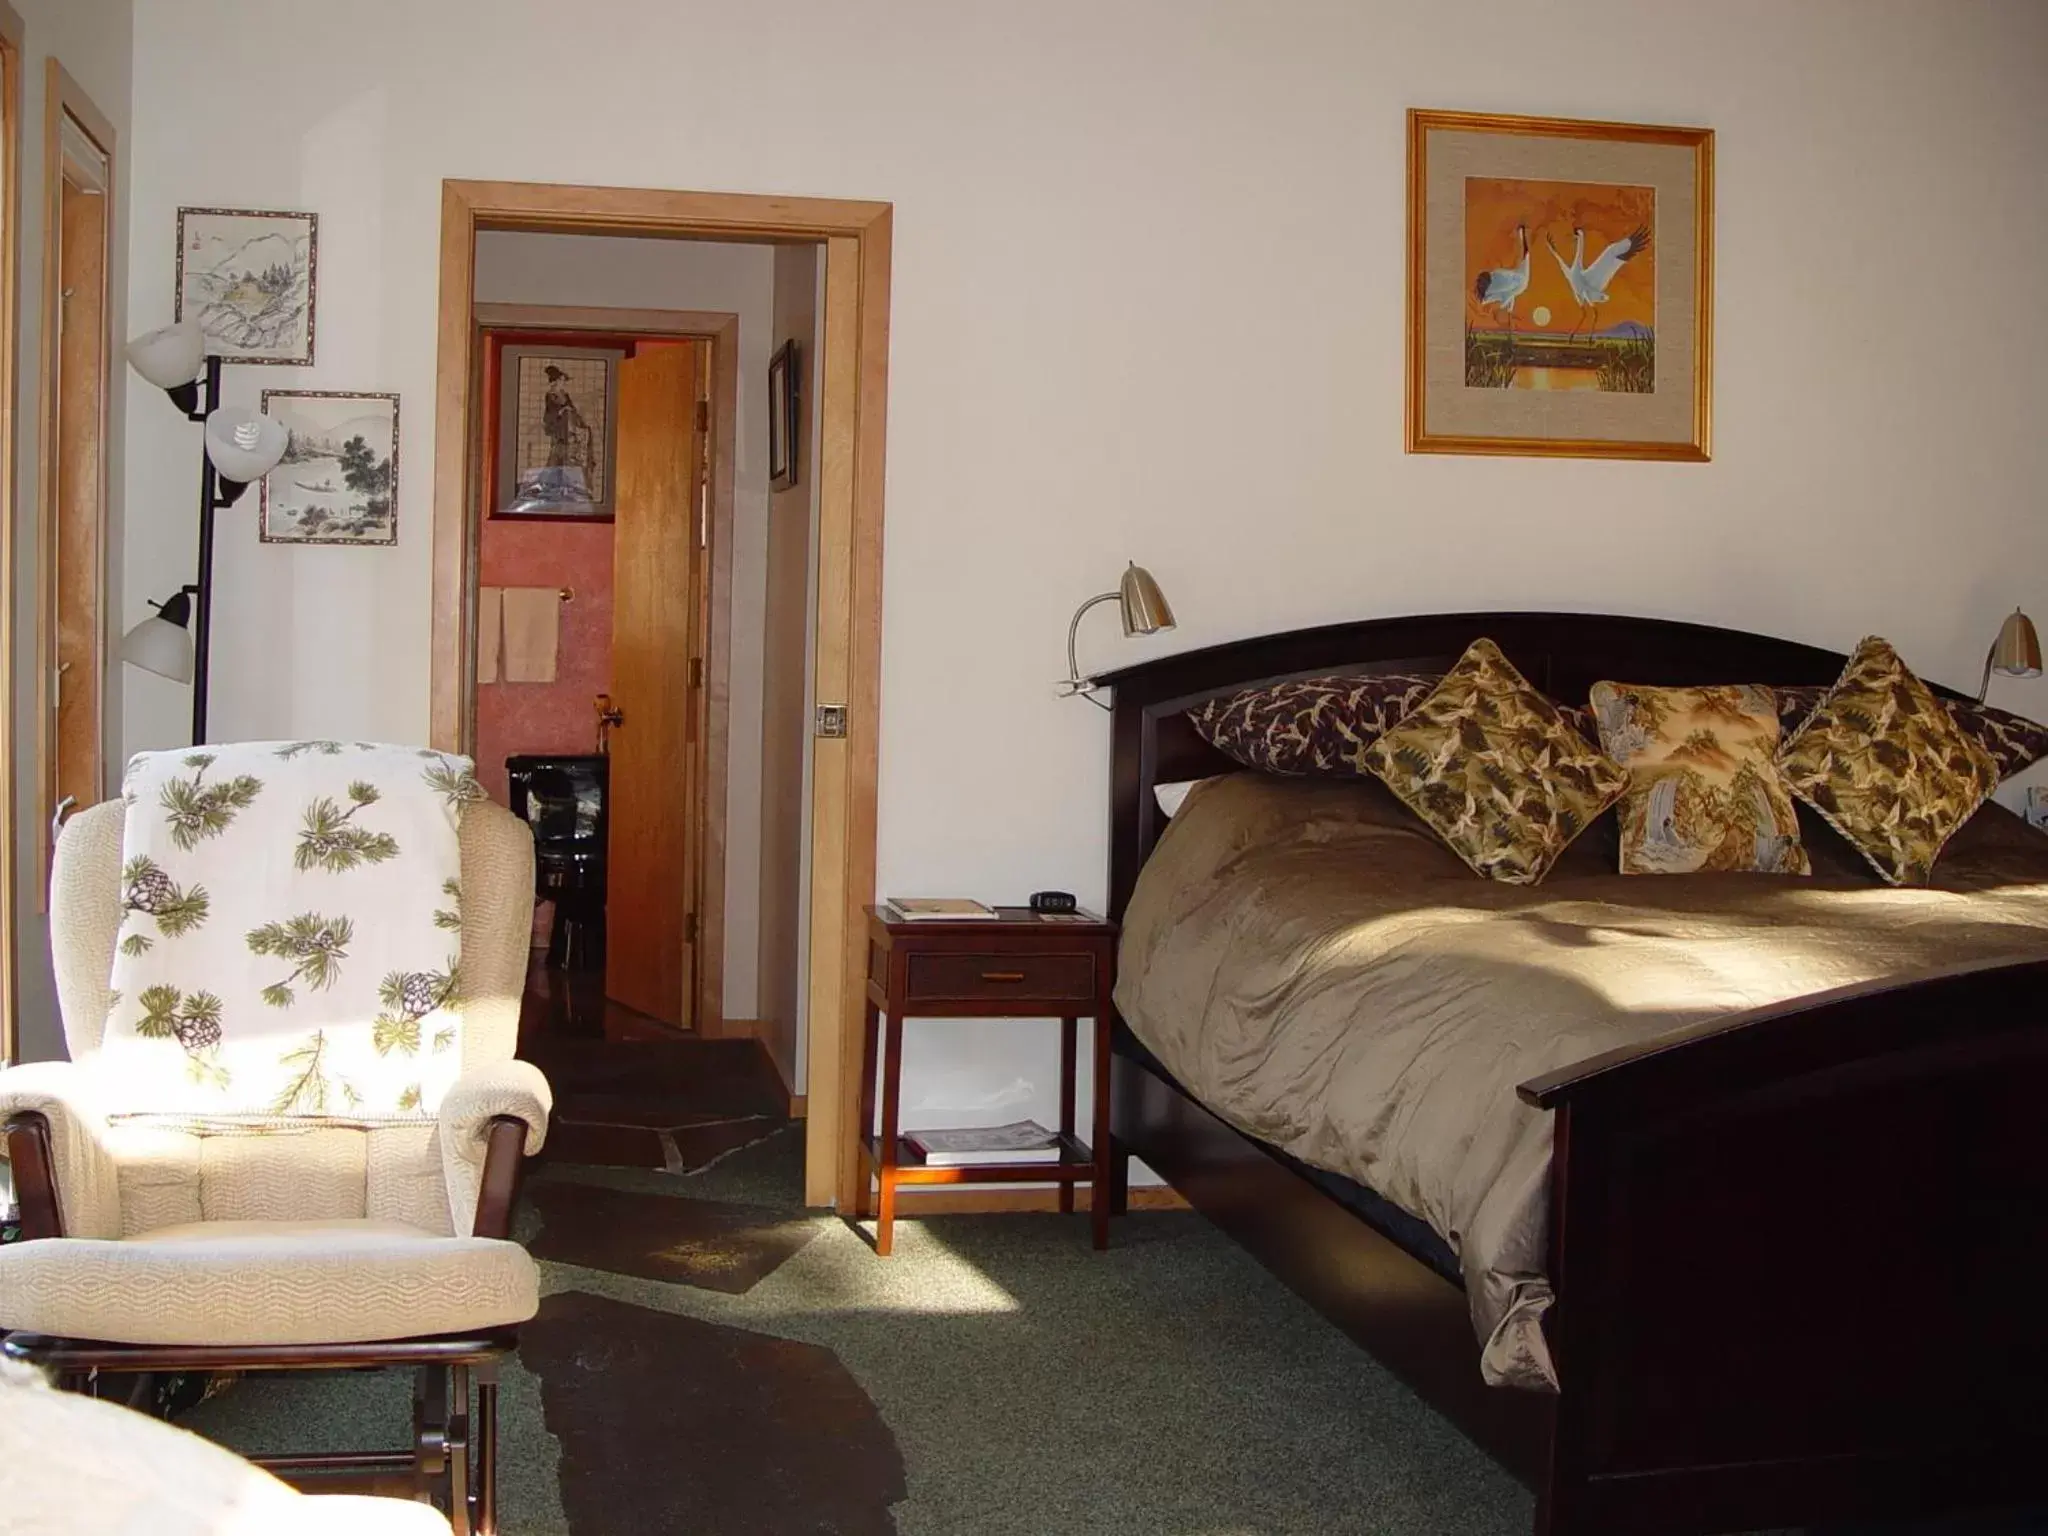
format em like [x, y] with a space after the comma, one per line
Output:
[1053, 901]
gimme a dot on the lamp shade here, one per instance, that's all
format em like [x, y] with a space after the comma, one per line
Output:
[1144, 607]
[161, 643]
[170, 356]
[2018, 651]
[243, 444]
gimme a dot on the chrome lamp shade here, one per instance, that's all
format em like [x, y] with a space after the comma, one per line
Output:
[2016, 652]
[1144, 607]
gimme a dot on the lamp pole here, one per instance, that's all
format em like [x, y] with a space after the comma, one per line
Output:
[210, 501]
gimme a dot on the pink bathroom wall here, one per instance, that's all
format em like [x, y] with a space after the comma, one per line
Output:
[557, 716]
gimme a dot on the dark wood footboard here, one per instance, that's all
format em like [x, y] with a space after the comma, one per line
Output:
[1797, 1257]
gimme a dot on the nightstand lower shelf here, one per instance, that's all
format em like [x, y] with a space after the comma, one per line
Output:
[1076, 1166]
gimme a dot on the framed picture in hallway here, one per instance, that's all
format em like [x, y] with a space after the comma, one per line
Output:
[552, 430]
[249, 278]
[785, 405]
[338, 480]
[1560, 287]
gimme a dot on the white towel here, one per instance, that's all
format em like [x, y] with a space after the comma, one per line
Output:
[291, 926]
[490, 631]
[533, 629]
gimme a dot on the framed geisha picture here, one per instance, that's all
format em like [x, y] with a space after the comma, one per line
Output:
[1560, 287]
[551, 428]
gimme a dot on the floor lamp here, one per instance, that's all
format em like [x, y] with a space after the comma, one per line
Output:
[241, 446]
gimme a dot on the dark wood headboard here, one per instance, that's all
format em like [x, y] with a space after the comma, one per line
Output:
[1564, 654]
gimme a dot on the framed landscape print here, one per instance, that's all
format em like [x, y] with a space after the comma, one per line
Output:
[554, 435]
[249, 278]
[338, 480]
[1560, 287]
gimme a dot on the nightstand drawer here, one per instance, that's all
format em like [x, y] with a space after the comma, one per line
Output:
[1033, 978]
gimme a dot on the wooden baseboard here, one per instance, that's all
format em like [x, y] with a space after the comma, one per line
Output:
[799, 1105]
[963, 1202]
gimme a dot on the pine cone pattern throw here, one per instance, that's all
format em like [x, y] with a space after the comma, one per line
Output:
[291, 934]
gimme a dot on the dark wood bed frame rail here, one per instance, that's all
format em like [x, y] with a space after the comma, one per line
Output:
[1795, 1252]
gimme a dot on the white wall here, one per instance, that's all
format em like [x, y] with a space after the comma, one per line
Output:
[91, 39]
[727, 277]
[1148, 304]
[788, 665]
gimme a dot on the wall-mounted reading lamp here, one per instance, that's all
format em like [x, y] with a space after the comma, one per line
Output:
[241, 447]
[2016, 652]
[1145, 611]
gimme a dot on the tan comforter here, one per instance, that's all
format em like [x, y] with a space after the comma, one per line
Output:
[1317, 969]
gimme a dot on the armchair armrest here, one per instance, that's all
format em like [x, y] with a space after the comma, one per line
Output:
[479, 1155]
[56, 1135]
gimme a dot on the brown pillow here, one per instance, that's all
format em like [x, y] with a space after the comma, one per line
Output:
[1310, 725]
[1887, 765]
[1704, 791]
[1489, 763]
[2014, 741]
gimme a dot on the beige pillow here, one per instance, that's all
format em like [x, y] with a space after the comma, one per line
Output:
[1704, 791]
[1885, 762]
[1489, 763]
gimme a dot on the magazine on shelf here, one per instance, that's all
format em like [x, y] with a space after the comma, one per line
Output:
[1021, 1141]
[937, 909]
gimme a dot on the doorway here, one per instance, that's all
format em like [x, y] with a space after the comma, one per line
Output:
[77, 345]
[604, 445]
[845, 660]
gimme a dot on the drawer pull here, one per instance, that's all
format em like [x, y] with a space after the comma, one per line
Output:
[1002, 975]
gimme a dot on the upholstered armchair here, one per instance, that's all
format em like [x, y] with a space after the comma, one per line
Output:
[311, 1246]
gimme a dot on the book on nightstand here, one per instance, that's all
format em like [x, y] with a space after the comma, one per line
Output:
[1021, 1141]
[935, 909]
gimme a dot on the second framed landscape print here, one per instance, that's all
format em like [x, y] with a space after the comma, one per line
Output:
[338, 480]
[1560, 287]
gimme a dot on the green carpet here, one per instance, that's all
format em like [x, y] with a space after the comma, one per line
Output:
[1168, 1387]
[994, 1376]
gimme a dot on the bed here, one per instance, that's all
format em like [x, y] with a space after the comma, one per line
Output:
[1784, 1240]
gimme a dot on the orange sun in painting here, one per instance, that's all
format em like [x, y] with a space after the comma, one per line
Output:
[1551, 210]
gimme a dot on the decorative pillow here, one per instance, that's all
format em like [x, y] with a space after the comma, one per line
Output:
[1492, 767]
[2014, 741]
[1704, 792]
[1887, 765]
[1311, 724]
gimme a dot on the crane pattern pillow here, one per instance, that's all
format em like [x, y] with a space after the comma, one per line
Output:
[1310, 725]
[1887, 765]
[290, 935]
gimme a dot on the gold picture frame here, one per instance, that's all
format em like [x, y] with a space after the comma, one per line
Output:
[1620, 365]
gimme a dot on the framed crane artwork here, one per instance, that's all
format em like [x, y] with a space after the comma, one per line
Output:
[1560, 287]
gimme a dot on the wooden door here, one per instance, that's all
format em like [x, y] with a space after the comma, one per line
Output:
[657, 676]
[71, 653]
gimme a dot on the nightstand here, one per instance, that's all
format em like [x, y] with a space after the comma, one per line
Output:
[1017, 965]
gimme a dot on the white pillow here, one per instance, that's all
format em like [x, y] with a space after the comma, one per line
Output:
[1171, 795]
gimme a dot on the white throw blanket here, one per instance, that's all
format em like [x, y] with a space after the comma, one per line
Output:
[290, 934]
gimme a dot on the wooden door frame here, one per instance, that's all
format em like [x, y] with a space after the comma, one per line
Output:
[12, 79]
[64, 96]
[854, 386]
[707, 823]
